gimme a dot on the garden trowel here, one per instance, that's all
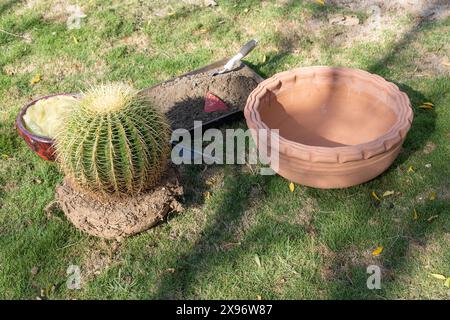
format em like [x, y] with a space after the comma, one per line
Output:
[235, 61]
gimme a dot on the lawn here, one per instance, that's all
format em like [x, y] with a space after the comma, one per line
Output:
[241, 235]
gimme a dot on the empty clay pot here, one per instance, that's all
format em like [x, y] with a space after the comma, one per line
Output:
[338, 127]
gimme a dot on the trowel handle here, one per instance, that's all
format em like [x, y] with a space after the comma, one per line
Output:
[231, 64]
[248, 47]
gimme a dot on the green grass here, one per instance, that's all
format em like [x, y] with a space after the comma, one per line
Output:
[252, 237]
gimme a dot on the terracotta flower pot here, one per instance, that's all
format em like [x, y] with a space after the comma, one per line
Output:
[338, 127]
[42, 146]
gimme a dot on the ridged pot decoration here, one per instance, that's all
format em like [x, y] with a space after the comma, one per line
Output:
[338, 127]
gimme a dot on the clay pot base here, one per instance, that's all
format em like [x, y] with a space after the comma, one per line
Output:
[120, 218]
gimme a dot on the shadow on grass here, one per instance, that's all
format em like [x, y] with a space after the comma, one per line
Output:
[423, 126]
[422, 20]
[208, 250]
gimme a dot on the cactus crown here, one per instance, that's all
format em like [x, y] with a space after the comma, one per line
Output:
[114, 141]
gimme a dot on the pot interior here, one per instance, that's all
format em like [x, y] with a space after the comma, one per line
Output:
[329, 111]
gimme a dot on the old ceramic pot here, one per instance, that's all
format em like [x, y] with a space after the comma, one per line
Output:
[338, 127]
[42, 146]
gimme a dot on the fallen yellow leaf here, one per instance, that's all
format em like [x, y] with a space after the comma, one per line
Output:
[36, 79]
[75, 40]
[258, 297]
[291, 186]
[375, 196]
[264, 58]
[426, 106]
[447, 283]
[388, 193]
[432, 196]
[322, 2]
[432, 218]
[207, 195]
[415, 215]
[438, 276]
[410, 169]
[258, 261]
[377, 251]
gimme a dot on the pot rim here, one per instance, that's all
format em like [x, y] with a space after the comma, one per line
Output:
[20, 122]
[396, 134]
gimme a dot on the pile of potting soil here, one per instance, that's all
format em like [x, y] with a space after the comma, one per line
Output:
[115, 218]
[183, 99]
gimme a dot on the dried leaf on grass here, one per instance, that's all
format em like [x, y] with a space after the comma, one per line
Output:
[426, 105]
[441, 277]
[291, 186]
[438, 276]
[415, 214]
[377, 251]
[375, 196]
[388, 193]
[258, 261]
[36, 79]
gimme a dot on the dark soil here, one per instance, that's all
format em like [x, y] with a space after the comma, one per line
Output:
[119, 218]
[183, 99]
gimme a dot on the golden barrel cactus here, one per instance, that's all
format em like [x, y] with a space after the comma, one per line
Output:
[114, 142]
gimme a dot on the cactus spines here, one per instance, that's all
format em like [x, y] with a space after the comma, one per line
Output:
[114, 141]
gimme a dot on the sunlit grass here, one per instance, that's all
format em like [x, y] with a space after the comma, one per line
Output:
[310, 243]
